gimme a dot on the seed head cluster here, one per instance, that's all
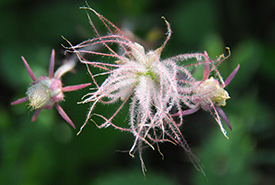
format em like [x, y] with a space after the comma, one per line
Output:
[159, 91]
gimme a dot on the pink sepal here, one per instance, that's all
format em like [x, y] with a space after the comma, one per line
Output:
[21, 100]
[64, 115]
[75, 87]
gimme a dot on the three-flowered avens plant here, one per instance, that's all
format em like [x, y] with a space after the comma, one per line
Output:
[143, 79]
[47, 91]
[153, 87]
[159, 92]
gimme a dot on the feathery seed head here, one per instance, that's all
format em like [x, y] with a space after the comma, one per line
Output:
[138, 76]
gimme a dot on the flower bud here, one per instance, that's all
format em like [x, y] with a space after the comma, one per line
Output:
[211, 88]
[44, 93]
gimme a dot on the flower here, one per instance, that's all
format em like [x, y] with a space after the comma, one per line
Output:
[47, 91]
[141, 78]
[208, 93]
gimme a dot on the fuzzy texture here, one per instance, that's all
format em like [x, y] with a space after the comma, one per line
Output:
[141, 78]
[208, 93]
[154, 88]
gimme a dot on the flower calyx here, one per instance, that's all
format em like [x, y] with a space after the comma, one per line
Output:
[211, 88]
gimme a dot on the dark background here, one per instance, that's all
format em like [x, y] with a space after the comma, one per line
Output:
[48, 150]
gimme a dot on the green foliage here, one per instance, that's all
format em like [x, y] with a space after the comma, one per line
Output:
[133, 177]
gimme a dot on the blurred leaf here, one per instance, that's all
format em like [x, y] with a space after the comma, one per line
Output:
[193, 22]
[133, 177]
[267, 63]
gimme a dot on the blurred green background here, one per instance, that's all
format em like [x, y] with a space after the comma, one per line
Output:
[48, 150]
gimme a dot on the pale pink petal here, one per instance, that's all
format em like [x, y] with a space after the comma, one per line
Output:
[51, 68]
[28, 69]
[66, 67]
[21, 100]
[75, 87]
[64, 115]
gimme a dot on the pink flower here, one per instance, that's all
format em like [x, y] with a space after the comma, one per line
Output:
[208, 93]
[47, 91]
[141, 78]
